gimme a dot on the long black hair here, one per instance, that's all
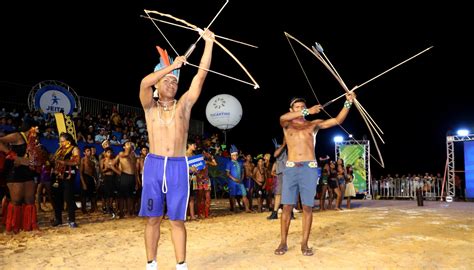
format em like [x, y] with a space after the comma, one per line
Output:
[68, 137]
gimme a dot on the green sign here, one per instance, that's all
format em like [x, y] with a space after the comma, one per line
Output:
[355, 155]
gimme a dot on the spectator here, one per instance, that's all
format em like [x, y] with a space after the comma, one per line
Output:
[114, 140]
[6, 125]
[99, 138]
[50, 134]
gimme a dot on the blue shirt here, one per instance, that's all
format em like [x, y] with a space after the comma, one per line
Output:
[234, 168]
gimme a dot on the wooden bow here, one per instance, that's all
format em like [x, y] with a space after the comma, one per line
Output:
[253, 83]
[367, 119]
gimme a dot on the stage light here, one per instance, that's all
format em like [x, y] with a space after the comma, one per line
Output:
[463, 132]
[338, 139]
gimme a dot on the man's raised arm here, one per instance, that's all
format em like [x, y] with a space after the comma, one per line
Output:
[146, 86]
[196, 85]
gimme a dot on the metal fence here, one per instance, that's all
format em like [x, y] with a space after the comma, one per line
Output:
[9, 101]
[405, 188]
[96, 106]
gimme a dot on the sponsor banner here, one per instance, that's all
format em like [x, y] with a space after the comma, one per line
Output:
[355, 156]
[53, 99]
[197, 161]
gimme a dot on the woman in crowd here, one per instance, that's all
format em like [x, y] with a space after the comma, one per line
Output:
[66, 161]
[21, 155]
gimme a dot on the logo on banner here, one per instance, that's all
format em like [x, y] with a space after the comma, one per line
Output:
[224, 111]
[53, 99]
[355, 156]
[196, 161]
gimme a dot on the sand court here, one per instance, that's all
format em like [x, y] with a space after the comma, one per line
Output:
[372, 235]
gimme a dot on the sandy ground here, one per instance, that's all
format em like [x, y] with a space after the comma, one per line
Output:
[372, 235]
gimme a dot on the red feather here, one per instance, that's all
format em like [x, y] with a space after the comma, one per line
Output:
[164, 56]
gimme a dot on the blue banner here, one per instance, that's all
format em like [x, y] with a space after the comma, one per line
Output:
[197, 161]
[469, 168]
[53, 99]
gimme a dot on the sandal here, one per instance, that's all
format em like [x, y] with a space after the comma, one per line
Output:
[307, 251]
[281, 250]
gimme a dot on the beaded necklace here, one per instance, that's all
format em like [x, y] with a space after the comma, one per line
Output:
[166, 108]
[60, 154]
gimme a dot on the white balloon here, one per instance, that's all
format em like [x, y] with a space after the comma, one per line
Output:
[224, 111]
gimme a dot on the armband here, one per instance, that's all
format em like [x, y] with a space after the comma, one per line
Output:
[347, 104]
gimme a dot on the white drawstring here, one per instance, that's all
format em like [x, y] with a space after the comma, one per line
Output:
[187, 197]
[143, 175]
[164, 187]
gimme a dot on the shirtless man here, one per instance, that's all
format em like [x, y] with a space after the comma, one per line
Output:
[105, 145]
[140, 166]
[166, 167]
[301, 168]
[128, 179]
[248, 178]
[88, 178]
[260, 175]
[109, 172]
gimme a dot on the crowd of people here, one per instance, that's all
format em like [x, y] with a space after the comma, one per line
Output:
[154, 174]
[167, 184]
[259, 174]
[92, 174]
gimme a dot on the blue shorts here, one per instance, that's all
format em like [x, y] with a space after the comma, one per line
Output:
[341, 180]
[248, 183]
[243, 190]
[299, 178]
[165, 175]
[236, 189]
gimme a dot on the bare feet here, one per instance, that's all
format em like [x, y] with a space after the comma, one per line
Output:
[282, 249]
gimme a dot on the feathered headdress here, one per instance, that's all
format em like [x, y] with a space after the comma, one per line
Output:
[166, 60]
[233, 149]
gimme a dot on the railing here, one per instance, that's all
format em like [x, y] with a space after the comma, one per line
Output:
[96, 106]
[405, 188]
[12, 101]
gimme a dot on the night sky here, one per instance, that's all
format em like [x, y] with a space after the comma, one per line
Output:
[103, 49]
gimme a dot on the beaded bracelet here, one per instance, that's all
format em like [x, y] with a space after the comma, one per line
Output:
[305, 112]
[347, 104]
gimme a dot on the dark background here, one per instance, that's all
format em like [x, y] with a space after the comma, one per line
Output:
[102, 49]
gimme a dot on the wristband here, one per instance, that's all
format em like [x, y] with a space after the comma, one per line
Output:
[305, 112]
[347, 104]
